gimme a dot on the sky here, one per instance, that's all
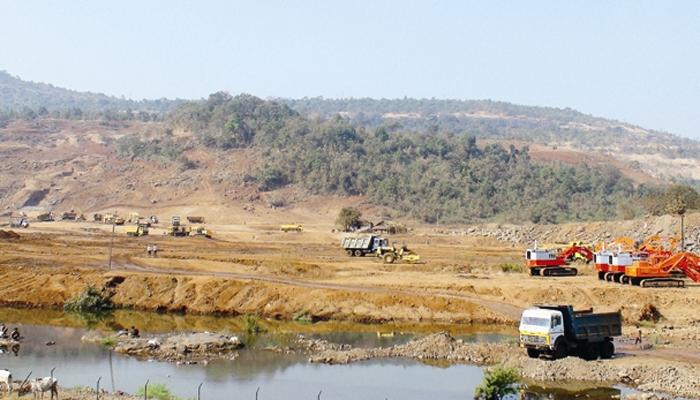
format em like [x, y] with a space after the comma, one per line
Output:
[635, 61]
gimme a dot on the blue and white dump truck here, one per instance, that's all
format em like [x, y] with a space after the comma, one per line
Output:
[558, 331]
[363, 245]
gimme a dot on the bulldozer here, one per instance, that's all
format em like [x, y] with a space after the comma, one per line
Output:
[200, 231]
[137, 230]
[391, 254]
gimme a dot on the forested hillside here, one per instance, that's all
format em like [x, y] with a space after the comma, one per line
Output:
[501, 120]
[18, 95]
[433, 176]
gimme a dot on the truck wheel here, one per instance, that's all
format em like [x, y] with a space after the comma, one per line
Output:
[350, 253]
[533, 353]
[358, 253]
[607, 349]
[590, 351]
[561, 350]
[389, 258]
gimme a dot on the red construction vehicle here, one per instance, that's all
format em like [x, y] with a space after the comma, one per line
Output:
[544, 262]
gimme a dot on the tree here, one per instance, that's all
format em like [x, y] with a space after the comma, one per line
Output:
[681, 198]
[497, 384]
[349, 218]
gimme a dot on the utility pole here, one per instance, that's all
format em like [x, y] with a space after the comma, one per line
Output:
[111, 243]
[682, 233]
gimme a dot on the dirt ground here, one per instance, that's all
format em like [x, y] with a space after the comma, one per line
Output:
[255, 268]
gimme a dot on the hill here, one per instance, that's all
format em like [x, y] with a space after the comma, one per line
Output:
[438, 161]
[18, 95]
[659, 154]
[239, 150]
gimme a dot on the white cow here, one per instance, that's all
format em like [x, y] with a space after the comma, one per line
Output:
[6, 378]
[45, 384]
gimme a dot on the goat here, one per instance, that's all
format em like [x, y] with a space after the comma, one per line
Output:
[45, 384]
[6, 378]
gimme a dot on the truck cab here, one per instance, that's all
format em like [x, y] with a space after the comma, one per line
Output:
[539, 329]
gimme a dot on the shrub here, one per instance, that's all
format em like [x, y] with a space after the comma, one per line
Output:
[158, 391]
[252, 325]
[510, 267]
[649, 313]
[90, 300]
[497, 384]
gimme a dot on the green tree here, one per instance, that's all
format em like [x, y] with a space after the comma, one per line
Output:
[498, 383]
[349, 218]
[681, 198]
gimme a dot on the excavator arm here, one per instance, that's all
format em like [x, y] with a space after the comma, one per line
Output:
[571, 251]
[688, 263]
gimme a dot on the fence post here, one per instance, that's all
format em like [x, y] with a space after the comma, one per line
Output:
[21, 385]
[199, 390]
[97, 388]
[145, 390]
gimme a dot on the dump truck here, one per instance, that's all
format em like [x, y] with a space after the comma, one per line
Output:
[179, 230]
[363, 245]
[391, 254]
[291, 228]
[137, 230]
[46, 217]
[195, 219]
[112, 219]
[69, 216]
[558, 331]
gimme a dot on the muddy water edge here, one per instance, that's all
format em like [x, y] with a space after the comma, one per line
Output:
[276, 374]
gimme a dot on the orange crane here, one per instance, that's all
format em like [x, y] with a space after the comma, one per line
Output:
[546, 262]
[659, 271]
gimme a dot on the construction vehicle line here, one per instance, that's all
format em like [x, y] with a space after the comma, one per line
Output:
[509, 311]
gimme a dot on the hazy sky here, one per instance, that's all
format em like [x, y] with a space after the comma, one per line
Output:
[637, 61]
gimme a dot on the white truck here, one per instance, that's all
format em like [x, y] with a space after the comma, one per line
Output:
[558, 331]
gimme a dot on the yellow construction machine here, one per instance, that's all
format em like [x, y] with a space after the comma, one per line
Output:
[291, 228]
[200, 231]
[391, 254]
[137, 230]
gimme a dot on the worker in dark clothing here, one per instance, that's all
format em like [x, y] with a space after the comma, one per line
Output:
[133, 332]
[15, 334]
[638, 339]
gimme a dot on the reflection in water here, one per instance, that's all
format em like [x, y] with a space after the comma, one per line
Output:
[279, 376]
[534, 392]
